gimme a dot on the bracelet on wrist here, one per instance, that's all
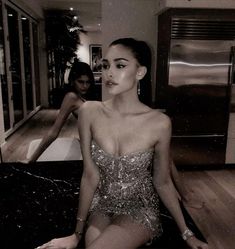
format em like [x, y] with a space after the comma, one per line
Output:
[78, 233]
[187, 234]
[80, 219]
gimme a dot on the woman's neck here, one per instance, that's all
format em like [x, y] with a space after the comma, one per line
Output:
[125, 104]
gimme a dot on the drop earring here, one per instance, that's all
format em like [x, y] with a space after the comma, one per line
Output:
[138, 88]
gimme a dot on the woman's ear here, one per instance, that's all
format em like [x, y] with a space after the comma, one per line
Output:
[142, 70]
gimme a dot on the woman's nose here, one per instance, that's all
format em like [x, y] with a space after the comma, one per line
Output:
[110, 72]
[86, 85]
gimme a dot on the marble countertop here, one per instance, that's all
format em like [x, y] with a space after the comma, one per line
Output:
[39, 202]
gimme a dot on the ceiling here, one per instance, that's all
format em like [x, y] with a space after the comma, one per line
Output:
[88, 11]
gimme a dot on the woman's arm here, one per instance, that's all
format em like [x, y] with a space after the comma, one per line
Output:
[89, 182]
[163, 182]
[90, 176]
[68, 105]
[161, 175]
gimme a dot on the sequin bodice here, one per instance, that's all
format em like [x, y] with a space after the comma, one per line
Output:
[126, 187]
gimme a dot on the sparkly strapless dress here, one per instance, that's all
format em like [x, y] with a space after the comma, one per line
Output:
[126, 187]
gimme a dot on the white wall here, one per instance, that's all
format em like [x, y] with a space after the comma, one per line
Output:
[86, 40]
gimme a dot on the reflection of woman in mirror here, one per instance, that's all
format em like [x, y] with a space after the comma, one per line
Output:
[126, 156]
[81, 80]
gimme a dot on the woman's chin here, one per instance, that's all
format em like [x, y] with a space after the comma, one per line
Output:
[111, 90]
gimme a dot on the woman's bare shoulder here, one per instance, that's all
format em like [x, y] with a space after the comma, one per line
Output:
[159, 126]
[70, 98]
[71, 95]
[160, 120]
[91, 105]
[89, 108]
[158, 114]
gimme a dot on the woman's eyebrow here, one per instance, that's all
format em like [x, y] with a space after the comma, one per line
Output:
[116, 59]
[121, 59]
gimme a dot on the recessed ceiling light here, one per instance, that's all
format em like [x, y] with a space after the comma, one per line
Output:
[71, 8]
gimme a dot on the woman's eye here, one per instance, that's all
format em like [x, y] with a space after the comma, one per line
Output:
[105, 66]
[120, 66]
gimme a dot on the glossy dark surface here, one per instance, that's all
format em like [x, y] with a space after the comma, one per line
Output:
[39, 202]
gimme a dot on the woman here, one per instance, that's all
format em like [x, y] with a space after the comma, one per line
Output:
[122, 139]
[81, 81]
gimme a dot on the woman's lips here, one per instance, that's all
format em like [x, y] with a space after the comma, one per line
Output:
[110, 83]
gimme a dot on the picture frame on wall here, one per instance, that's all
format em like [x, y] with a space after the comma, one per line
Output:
[95, 58]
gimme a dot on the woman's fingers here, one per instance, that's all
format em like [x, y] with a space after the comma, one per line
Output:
[46, 245]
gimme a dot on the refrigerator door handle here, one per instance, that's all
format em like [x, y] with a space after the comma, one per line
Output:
[232, 66]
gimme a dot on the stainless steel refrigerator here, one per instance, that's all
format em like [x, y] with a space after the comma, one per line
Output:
[198, 96]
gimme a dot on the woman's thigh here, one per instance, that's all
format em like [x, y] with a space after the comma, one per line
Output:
[122, 233]
[96, 225]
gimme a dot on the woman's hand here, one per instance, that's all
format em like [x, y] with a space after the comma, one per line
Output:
[69, 242]
[195, 243]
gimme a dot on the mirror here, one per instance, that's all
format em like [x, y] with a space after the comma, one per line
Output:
[71, 29]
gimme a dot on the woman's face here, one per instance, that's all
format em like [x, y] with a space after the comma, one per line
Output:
[82, 84]
[120, 70]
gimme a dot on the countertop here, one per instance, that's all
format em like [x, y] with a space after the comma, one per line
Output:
[39, 202]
